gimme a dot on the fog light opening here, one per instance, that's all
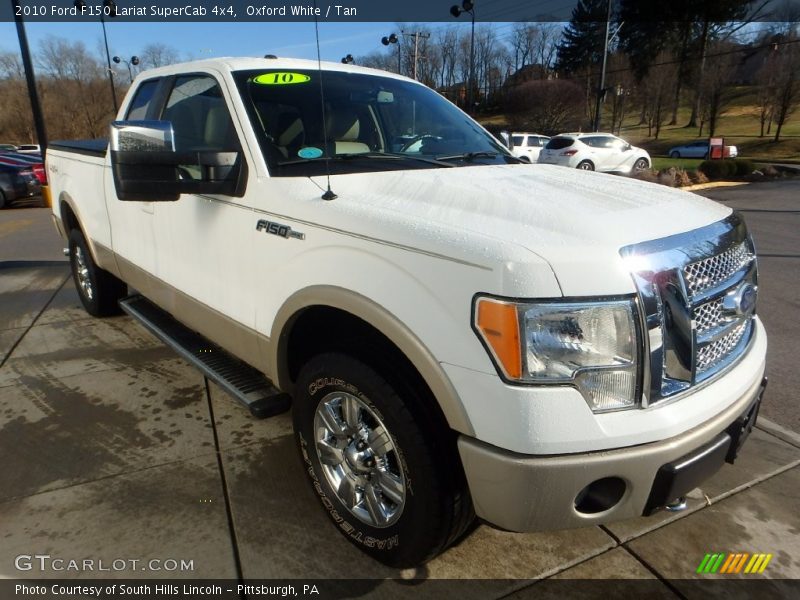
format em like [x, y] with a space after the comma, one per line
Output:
[600, 496]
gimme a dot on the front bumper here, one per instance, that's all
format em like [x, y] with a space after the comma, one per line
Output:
[531, 493]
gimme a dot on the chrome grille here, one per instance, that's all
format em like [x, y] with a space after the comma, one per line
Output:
[709, 315]
[692, 289]
[717, 351]
[710, 272]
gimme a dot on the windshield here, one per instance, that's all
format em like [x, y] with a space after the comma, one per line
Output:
[370, 123]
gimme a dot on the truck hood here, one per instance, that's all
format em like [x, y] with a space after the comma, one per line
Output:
[575, 220]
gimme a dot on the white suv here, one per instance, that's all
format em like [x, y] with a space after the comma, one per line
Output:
[594, 152]
[528, 145]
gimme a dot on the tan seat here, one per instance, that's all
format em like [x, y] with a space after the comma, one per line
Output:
[219, 132]
[291, 134]
[344, 128]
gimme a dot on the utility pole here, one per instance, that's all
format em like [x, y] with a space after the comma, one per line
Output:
[36, 108]
[416, 35]
[601, 88]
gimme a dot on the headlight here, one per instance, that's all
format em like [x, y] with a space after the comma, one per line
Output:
[591, 345]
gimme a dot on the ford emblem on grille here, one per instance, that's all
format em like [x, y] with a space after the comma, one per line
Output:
[741, 301]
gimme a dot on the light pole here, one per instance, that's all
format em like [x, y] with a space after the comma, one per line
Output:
[36, 108]
[348, 60]
[133, 61]
[112, 12]
[467, 6]
[393, 39]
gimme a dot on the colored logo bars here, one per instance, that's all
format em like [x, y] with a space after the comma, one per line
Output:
[734, 563]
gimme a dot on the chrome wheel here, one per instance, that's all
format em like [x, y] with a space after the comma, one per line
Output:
[640, 165]
[586, 166]
[82, 273]
[359, 459]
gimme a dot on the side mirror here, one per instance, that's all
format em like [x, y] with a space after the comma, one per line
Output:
[627, 147]
[147, 168]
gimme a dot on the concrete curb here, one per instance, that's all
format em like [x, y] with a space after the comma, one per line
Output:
[780, 432]
[714, 184]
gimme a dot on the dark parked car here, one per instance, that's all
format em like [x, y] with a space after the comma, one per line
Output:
[33, 161]
[17, 182]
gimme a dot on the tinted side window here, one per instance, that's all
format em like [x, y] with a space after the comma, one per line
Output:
[141, 101]
[517, 140]
[557, 143]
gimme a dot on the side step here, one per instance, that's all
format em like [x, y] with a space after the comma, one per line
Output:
[239, 379]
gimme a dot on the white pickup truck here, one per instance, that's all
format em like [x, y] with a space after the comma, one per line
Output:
[456, 334]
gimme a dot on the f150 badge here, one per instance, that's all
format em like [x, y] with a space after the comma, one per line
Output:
[279, 229]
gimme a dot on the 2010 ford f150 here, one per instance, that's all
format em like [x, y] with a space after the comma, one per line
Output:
[456, 333]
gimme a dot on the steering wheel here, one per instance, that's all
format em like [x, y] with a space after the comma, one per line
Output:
[411, 142]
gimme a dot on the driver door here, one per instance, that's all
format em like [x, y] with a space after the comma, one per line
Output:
[206, 240]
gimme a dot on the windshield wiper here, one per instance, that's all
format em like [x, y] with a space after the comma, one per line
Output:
[394, 156]
[368, 155]
[469, 156]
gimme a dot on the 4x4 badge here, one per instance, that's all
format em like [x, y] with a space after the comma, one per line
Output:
[279, 229]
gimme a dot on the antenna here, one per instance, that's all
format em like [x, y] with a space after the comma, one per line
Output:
[328, 195]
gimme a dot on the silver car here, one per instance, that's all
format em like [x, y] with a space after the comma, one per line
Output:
[699, 150]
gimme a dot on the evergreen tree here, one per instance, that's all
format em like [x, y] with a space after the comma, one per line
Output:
[581, 45]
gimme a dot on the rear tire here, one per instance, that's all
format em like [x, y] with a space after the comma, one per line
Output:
[585, 165]
[385, 473]
[99, 290]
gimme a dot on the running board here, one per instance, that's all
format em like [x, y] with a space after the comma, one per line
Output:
[239, 379]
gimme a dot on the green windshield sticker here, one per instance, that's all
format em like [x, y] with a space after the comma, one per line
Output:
[281, 78]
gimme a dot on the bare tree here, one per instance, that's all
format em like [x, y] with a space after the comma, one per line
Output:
[378, 60]
[546, 106]
[158, 55]
[765, 81]
[621, 83]
[716, 94]
[656, 90]
[447, 43]
[16, 122]
[546, 44]
[787, 84]
[523, 44]
[75, 88]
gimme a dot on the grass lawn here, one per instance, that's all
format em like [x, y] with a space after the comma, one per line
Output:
[738, 124]
[687, 164]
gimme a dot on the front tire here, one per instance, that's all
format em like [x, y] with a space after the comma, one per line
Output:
[386, 475]
[585, 165]
[99, 290]
[2, 200]
[640, 165]
[675, 154]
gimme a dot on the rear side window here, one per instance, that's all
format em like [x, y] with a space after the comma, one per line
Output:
[594, 141]
[141, 101]
[557, 143]
[517, 140]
